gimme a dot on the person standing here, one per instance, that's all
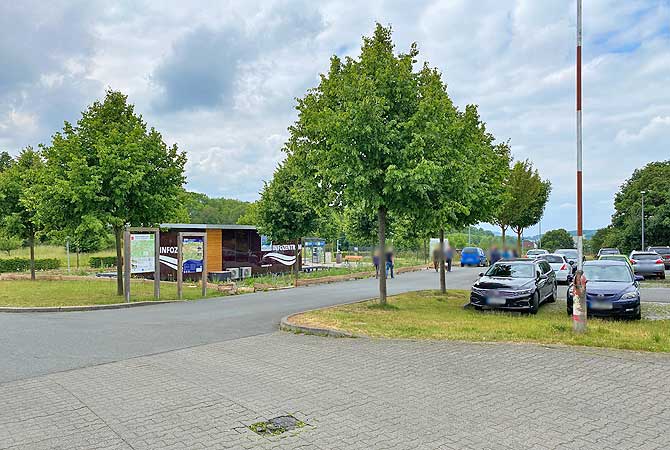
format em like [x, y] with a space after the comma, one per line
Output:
[436, 258]
[375, 261]
[448, 256]
[389, 263]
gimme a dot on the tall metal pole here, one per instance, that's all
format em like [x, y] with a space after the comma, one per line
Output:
[579, 298]
[643, 192]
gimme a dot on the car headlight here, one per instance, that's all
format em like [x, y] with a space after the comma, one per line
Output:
[629, 295]
[523, 292]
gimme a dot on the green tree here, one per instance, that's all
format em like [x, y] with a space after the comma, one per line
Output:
[600, 239]
[203, 209]
[6, 161]
[113, 168]
[363, 133]
[529, 195]
[284, 214]
[18, 206]
[9, 243]
[555, 239]
[654, 179]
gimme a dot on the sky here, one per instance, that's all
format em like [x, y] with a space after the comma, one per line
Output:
[220, 78]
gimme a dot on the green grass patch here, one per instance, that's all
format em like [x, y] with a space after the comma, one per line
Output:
[430, 315]
[58, 252]
[86, 292]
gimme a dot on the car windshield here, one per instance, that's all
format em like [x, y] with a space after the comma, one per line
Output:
[535, 252]
[510, 270]
[552, 258]
[608, 273]
[613, 258]
[660, 249]
[609, 251]
[568, 253]
[469, 250]
[645, 256]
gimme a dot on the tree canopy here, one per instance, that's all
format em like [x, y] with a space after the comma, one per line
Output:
[113, 168]
[555, 239]
[626, 230]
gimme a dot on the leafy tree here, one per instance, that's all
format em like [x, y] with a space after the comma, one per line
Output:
[203, 209]
[600, 239]
[529, 195]
[555, 239]
[18, 206]
[284, 214]
[250, 216]
[9, 243]
[654, 179]
[112, 168]
[365, 132]
[6, 161]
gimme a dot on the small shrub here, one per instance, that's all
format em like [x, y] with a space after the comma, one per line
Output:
[100, 262]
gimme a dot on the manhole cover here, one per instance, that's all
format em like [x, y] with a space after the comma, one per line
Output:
[276, 425]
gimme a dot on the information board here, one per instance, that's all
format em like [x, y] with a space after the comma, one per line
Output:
[142, 253]
[192, 254]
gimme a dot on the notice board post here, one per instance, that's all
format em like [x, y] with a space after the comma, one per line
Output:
[141, 256]
[180, 261]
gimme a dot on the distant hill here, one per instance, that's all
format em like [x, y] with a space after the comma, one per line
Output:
[587, 235]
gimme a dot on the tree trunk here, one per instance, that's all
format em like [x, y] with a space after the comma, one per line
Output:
[296, 267]
[31, 242]
[519, 244]
[119, 261]
[382, 255]
[504, 230]
[443, 276]
[425, 251]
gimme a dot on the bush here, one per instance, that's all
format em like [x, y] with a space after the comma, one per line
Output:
[102, 261]
[23, 264]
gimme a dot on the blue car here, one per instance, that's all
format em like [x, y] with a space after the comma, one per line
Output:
[473, 256]
[611, 290]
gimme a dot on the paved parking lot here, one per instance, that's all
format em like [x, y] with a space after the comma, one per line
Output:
[352, 393]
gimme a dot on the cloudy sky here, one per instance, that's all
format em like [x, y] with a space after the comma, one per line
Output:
[220, 77]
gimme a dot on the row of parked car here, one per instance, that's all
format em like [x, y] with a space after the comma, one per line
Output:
[612, 289]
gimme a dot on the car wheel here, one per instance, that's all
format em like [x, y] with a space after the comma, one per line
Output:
[569, 311]
[462, 265]
[638, 314]
[535, 304]
[662, 276]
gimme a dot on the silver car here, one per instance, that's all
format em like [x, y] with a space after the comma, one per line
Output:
[647, 264]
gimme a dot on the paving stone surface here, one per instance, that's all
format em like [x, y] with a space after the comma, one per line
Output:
[352, 393]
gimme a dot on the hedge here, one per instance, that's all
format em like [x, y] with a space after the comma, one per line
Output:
[23, 264]
[102, 261]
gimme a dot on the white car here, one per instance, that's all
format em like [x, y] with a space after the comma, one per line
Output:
[559, 264]
[534, 253]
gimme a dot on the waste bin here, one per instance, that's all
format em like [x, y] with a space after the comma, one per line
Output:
[338, 258]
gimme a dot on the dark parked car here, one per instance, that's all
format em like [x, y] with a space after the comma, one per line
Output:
[664, 252]
[608, 251]
[515, 284]
[648, 264]
[611, 290]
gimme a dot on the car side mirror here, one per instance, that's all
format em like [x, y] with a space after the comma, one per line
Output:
[639, 278]
[481, 274]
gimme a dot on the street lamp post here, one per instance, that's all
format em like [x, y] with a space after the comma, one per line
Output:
[643, 192]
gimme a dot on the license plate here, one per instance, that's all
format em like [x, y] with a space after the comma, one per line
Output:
[496, 301]
[600, 306]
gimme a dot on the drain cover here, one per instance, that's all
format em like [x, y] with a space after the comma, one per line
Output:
[276, 425]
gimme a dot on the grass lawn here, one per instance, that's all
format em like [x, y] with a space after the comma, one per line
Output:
[58, 252]
[86, 292]
[430, 315]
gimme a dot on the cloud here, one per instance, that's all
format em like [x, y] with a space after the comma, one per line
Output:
[220, 78]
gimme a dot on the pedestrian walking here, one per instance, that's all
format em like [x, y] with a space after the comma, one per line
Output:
[436, 258]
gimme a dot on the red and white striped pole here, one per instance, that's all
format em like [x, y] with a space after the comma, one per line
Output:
[579, 293]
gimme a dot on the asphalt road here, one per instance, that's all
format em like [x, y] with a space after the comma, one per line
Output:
[40, 343]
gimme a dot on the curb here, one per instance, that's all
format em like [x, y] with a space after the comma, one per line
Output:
[48, 309]
[286, 325]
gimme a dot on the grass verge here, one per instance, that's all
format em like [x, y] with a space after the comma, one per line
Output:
[430, 315]
[25, 293]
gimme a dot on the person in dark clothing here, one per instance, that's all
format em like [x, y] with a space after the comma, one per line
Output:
[495, 255]
[375, 261]
[436, 258]
[448, 256]
[389, 263]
